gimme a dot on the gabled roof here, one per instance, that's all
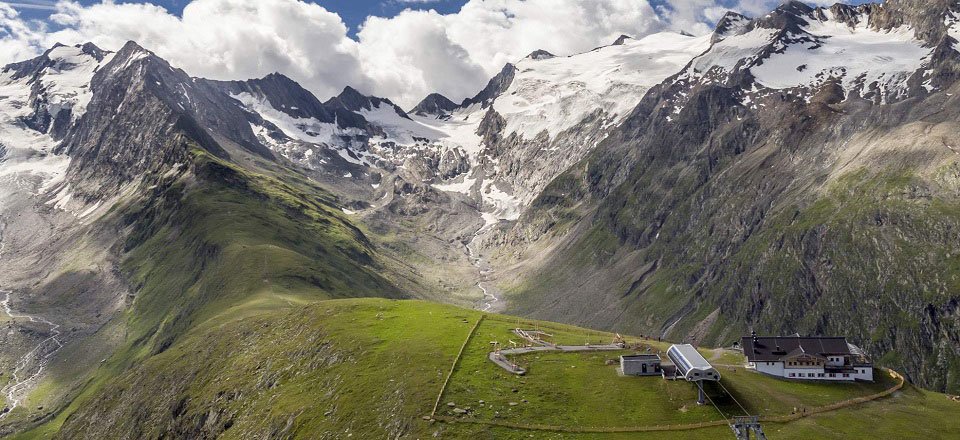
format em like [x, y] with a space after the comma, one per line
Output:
[800, 351]
[775, 348]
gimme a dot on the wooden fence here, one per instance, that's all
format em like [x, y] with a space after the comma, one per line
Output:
[456, 361]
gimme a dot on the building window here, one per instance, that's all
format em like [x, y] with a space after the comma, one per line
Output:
[833, 375]
[819, 374]
[792, 375]
[846, 375]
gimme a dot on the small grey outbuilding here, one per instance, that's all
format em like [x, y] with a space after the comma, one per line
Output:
[640, 365]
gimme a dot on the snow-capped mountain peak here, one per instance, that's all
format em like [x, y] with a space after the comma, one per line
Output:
[495, 87]
[40, 99]
[540, 54]
[544, 113]
[58, 83]
[732, 23]
[881, 53]
[553, 94]
[351, 99]
[622, 40]
[434, 104]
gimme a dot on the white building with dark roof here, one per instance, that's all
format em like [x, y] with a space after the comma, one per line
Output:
[807, 358]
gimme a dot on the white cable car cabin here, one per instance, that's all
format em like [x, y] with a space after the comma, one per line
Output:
[691, 365]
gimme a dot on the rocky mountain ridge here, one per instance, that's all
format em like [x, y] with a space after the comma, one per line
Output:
[770, 185]
[791, 173]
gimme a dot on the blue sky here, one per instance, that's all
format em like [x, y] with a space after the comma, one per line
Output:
[353, 12]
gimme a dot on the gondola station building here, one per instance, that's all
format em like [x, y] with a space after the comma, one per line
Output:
[806, 358]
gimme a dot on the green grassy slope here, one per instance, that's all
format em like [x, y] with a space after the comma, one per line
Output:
[912, 414]
[234, 240]
[584, 390]
[364, 367]
[872, 255]
[212, 243]
[876, 251]
[371, 368]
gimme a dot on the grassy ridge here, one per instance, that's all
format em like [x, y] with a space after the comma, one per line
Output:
[218, 243]
[370, 368]
[238, 240]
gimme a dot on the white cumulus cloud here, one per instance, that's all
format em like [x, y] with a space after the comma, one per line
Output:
[19, 40]
[403, 57]
[418, 52]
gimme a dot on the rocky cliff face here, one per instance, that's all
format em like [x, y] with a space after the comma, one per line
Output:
[770, 185]
[124, 185]
[58, 82]
[538, 117]
[140, 118]
[434, 104]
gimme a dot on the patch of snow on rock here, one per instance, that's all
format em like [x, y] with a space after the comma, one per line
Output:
[859, 56]
[67, 80]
